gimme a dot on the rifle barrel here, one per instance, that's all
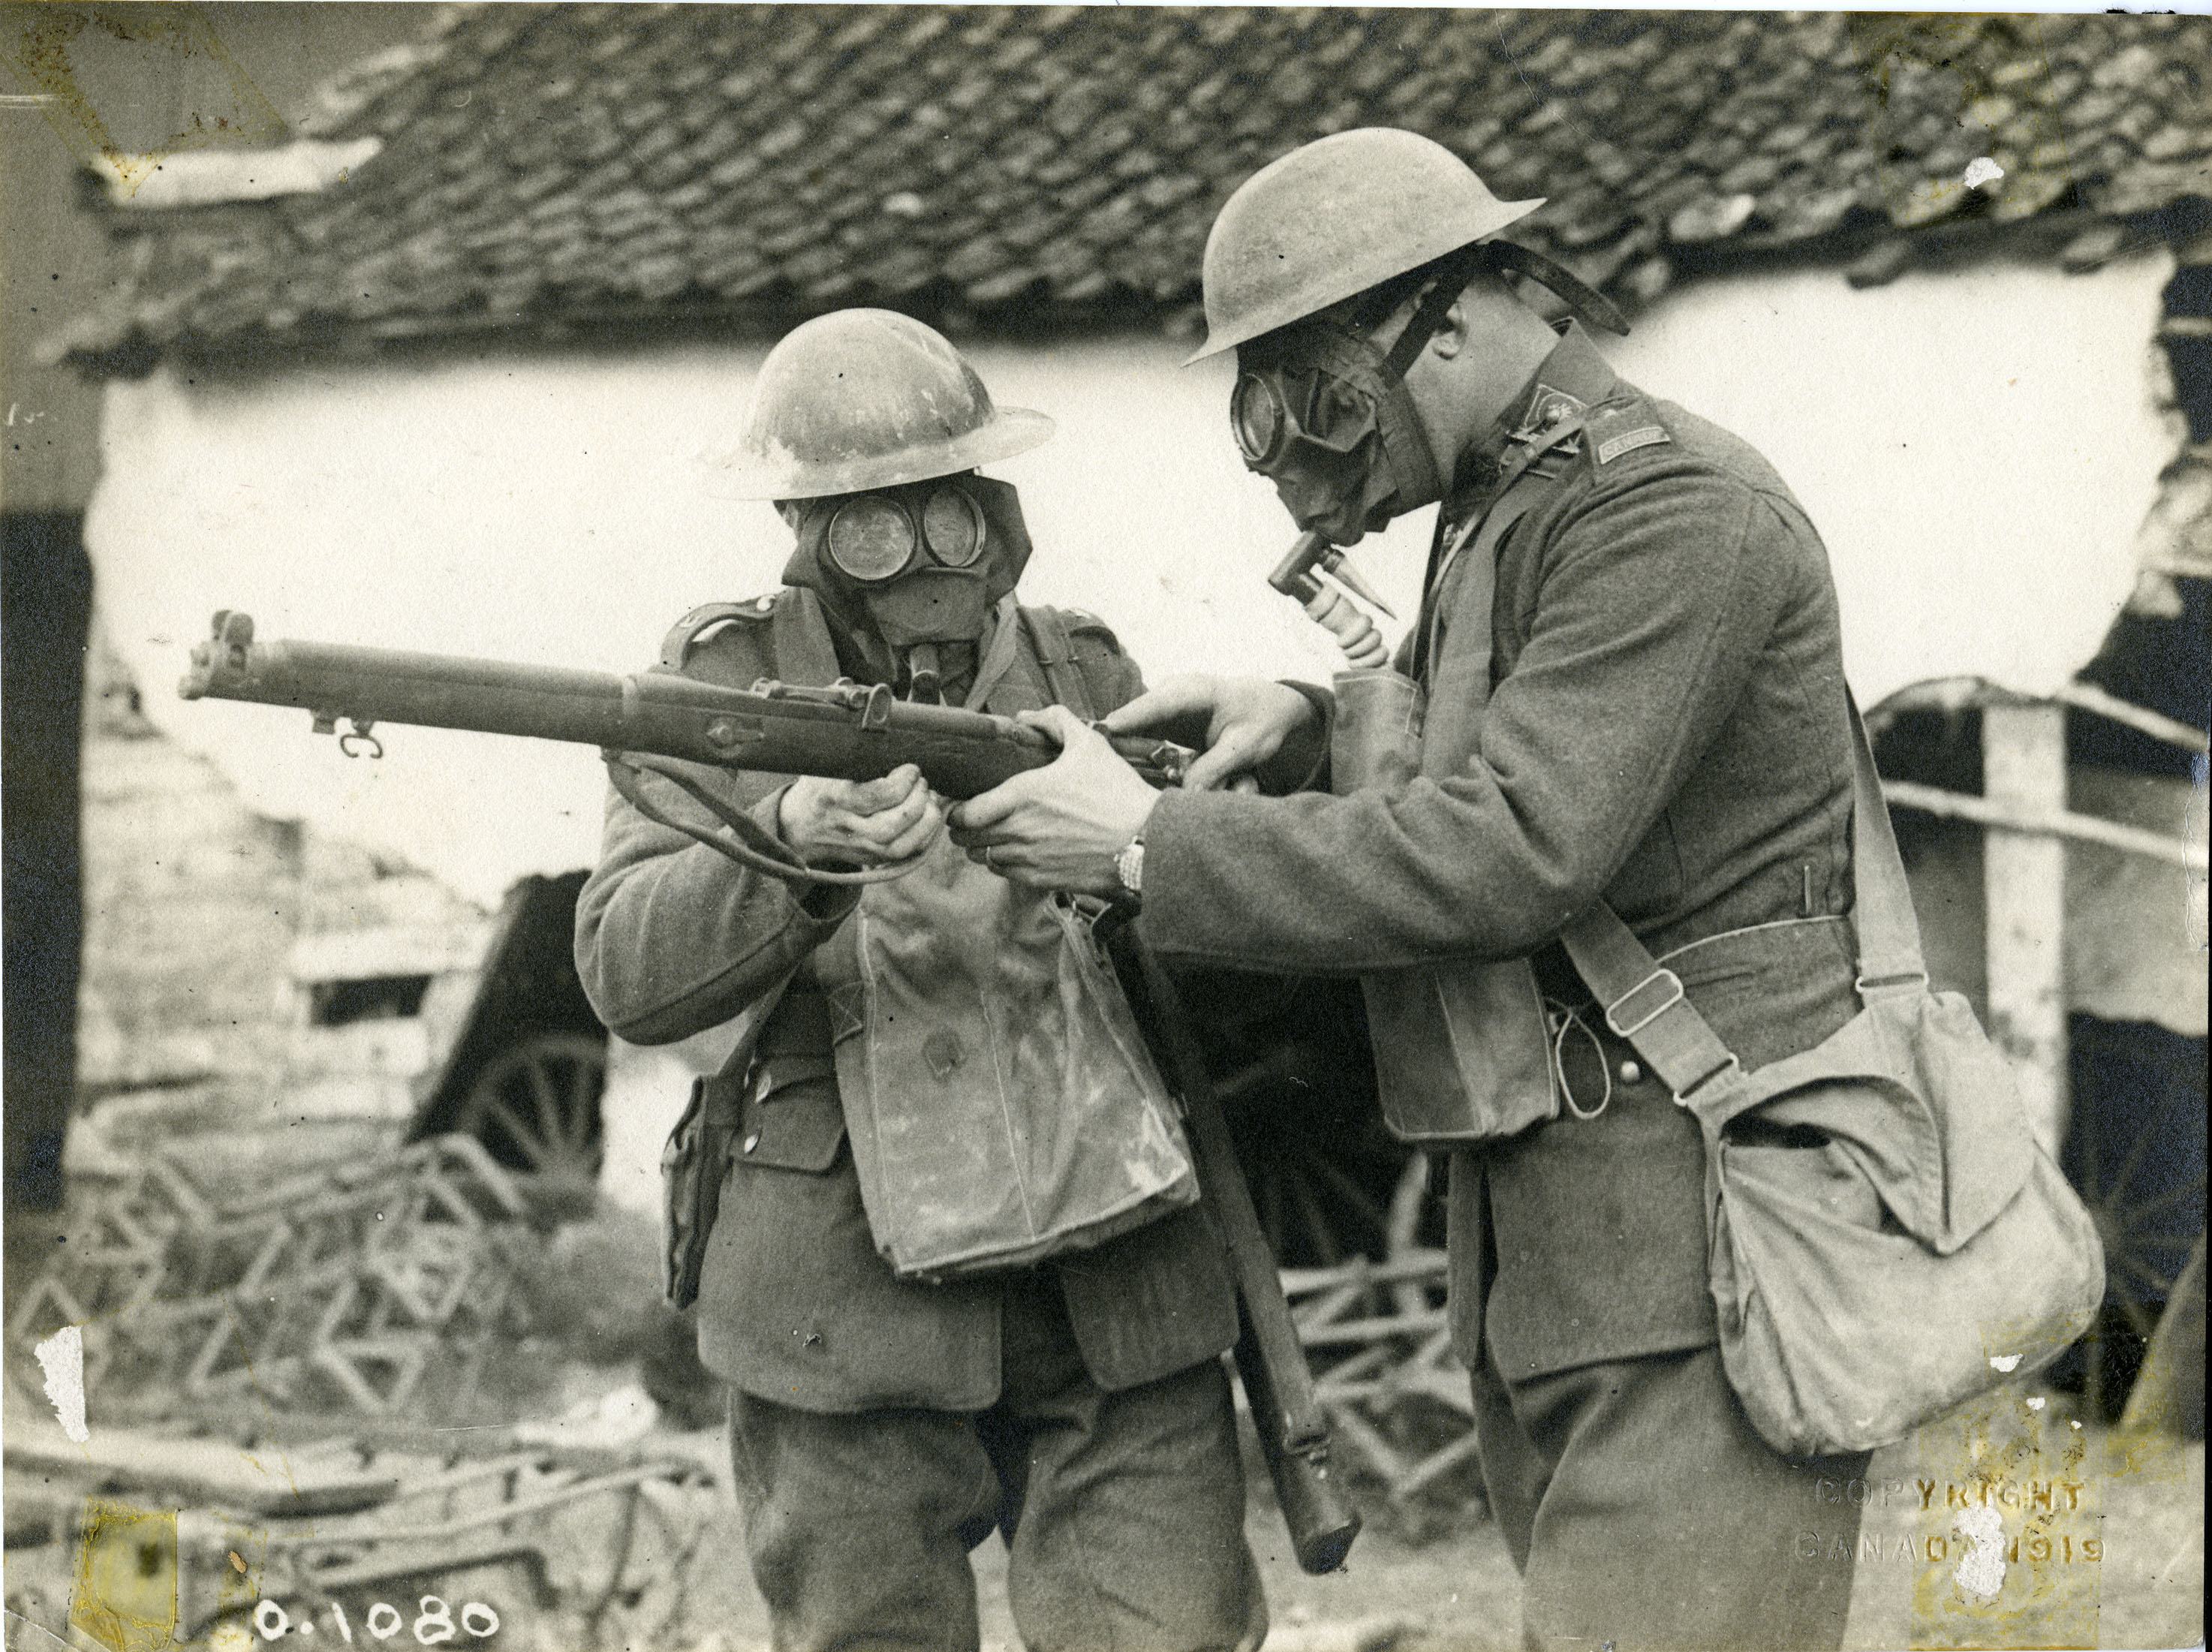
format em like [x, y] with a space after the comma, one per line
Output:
[848, 733]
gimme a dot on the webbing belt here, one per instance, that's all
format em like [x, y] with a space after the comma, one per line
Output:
[1644, 1002]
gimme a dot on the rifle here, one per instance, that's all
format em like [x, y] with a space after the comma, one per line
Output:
[1278, 1386]
[841, 731]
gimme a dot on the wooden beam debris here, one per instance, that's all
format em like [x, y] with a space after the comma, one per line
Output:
[2024, 876]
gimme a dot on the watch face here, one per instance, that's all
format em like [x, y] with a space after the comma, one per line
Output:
[1129, 867]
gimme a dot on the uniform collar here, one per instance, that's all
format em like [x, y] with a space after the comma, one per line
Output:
[1572, 378]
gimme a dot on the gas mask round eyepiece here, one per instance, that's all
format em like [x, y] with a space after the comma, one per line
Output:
[1261, 421]
[873, 537]
[870, 539]
[952, 526]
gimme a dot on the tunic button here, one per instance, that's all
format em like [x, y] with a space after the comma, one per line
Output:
[1631, 1073]
[751, 1142]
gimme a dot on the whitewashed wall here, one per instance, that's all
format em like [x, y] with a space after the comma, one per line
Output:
[1977, 447]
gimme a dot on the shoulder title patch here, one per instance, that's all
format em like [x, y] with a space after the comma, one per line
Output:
[1628, 441]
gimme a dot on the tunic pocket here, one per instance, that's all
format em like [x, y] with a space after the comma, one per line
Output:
[793, 1120]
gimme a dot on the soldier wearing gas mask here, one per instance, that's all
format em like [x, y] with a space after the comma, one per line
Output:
[956, 1277]
[1624, 690]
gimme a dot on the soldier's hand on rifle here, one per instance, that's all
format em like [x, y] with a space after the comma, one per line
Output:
[1247, 721]
[869, 823]
[1058, 827]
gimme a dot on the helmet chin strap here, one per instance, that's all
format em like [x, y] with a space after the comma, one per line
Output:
[1407, 477]
[1412, 462]
[1577, 294]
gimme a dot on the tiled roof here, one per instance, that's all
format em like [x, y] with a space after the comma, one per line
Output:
[574, 168]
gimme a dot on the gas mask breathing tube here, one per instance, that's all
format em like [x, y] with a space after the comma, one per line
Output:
[911, 573]
[1321, 410]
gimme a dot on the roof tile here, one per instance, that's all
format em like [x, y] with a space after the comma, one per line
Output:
[650, 158]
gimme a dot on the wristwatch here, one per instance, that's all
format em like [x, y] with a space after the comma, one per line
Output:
[1129, 867]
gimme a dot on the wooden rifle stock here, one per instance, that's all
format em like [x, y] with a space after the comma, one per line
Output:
[845, 731]
[1279, 1385]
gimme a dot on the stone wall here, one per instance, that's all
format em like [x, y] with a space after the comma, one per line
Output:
[188, 1018]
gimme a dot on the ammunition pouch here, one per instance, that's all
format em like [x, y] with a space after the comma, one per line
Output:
[695, 1161]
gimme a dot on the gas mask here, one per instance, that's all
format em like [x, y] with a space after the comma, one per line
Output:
[1324, 414]
[912, 573]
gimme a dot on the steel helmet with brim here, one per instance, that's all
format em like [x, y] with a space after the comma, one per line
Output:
[1340, 216]
[861, 399]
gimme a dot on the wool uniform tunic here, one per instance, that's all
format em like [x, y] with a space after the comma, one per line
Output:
[795, 1303]
[1666, 730]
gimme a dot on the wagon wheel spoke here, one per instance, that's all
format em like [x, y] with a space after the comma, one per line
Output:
[1362, 1202]
[519, 1136]
[2142, 1319]
[2143, 1274]
[2133, 1219]
[544, 1100]
[1270, 1211]
[585, 1081]
[1318, 1226]
[2150, 1133]
[535, 1108]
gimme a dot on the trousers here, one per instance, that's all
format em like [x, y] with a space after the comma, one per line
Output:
[1122, 1512]
[1644, 1511]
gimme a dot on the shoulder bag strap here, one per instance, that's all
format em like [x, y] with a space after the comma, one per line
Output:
[1644, 1002]
[1881, 910]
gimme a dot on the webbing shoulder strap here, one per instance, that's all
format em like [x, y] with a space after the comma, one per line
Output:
[1525, 486]
[1644, 1002]
[1055, 652]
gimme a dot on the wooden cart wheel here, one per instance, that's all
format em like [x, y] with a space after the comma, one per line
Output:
[536, 1109]
[2148, 1217]
[1321, 1177]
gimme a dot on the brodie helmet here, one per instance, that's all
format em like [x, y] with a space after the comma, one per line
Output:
[861, 399]
[1338, 217]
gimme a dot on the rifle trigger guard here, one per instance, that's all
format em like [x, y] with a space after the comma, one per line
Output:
[358, 736]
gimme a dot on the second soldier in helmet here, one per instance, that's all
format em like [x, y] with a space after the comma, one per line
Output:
[1635, 696]
[958, 1280]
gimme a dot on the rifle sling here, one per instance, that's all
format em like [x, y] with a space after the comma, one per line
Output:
[746, 842]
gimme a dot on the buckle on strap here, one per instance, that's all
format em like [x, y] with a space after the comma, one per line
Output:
[1912, 982]
[1688, 1097]
[1667, 981]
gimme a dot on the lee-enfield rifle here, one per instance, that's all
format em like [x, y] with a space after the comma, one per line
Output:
[841, 731]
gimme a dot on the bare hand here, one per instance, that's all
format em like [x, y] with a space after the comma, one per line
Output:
[1061, 826]
[1247, 721]
[867, 822]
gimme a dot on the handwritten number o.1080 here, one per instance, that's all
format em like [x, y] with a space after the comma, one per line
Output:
[434, 1622]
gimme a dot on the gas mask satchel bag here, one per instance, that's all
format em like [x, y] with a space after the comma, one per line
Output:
[1887, 1238]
